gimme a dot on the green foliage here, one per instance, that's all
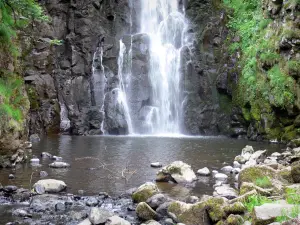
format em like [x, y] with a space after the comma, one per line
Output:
[15, 15]
[56, 42]
[294, 213]
[292, 68]
[11, 98]
[293, 197]
[264, 81]
[263, 182]
[255, 200]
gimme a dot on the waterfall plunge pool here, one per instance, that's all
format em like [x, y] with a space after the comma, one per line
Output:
[97, 162]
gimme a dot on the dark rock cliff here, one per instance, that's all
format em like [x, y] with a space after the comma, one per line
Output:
[64, 95]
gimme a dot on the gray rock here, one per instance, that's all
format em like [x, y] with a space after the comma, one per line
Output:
[236, 170]
[156, 165]
[177, 171]
[144, 192]
[59, 165]
[221, 176]
[59, 207]
[145, 212]
[35, 160]
[99, 215]
[192, 199]
[247, 152]
[151, 222]
[46, 155]
[10, 188]
[156, 200]
[163, 209]
[236, 164]
[115, 220]
[92, 202]
[227, 169]
[258, 156]
[85, 222]
[268, 212]
[56, 158]
[169, 221]
[203, 172]
[34, 138]
[11, 176]
[226, 192]
[51, 185]
[21, 213]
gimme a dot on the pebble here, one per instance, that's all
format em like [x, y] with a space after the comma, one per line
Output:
[60, 207]
[21, 213]
[57, 158]
[34, 160]
[58, 165]
[227, 169]
[11, 176]
[156, 165]
[91, 202]
[43, 174]
[10, 188]
[46, 155]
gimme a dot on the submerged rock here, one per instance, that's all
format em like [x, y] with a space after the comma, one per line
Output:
[178, 172]
[50, 185]
[59, 165]
[144, 192]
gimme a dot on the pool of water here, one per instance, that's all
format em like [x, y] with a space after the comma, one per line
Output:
[115, 164]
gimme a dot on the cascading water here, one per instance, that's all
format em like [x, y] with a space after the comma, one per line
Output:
[165, 25]
[146, 95]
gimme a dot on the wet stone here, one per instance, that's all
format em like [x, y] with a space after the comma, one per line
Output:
[60, 207]
[10, 189]
[11, 176]
[91, 202]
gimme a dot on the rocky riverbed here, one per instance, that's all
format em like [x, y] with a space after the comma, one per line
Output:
[274, 178]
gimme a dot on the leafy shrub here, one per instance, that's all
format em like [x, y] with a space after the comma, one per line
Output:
[255, 200]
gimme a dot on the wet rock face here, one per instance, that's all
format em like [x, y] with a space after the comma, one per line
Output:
[61, 74]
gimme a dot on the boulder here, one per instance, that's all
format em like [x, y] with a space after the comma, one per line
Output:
[268, 212]
[99, 215]
[203, 172]
[247, 152]
[189, 214]
[296, 172]
[116, 220]
[145, 212]
[178, 172]
[51, 185]
[156, 200]
[253, 173]
[216, 208]
[144, 192]
[59, 165]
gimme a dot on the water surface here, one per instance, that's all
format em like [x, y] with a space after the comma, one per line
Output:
[115, 164]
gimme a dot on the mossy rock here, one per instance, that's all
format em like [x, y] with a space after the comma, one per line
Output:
[286, 174]
[189, 214]
[216, 208]
[252, 173]
[144, 192]
[234, 220]
[235, 208]
[247, 187]
[145, 212]
[296, 172]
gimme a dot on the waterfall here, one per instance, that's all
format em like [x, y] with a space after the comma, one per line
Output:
[163, 22]
[145, 96]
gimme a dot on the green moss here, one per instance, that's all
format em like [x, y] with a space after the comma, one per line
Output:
[144, 192]
[292, 68]
[263, 182]
[174, 170]
[235, 208]
[246, 114]
[216, 208]
[269, 59]
[253, 173]
[33, 98]
[234, 220]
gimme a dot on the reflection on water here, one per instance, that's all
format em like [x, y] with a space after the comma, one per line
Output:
[115, 164]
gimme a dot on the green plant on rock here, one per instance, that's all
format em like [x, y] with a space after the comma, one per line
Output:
[56, 42]
[293, 196]
[294, 213]
[263, 182]
[255, 200]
